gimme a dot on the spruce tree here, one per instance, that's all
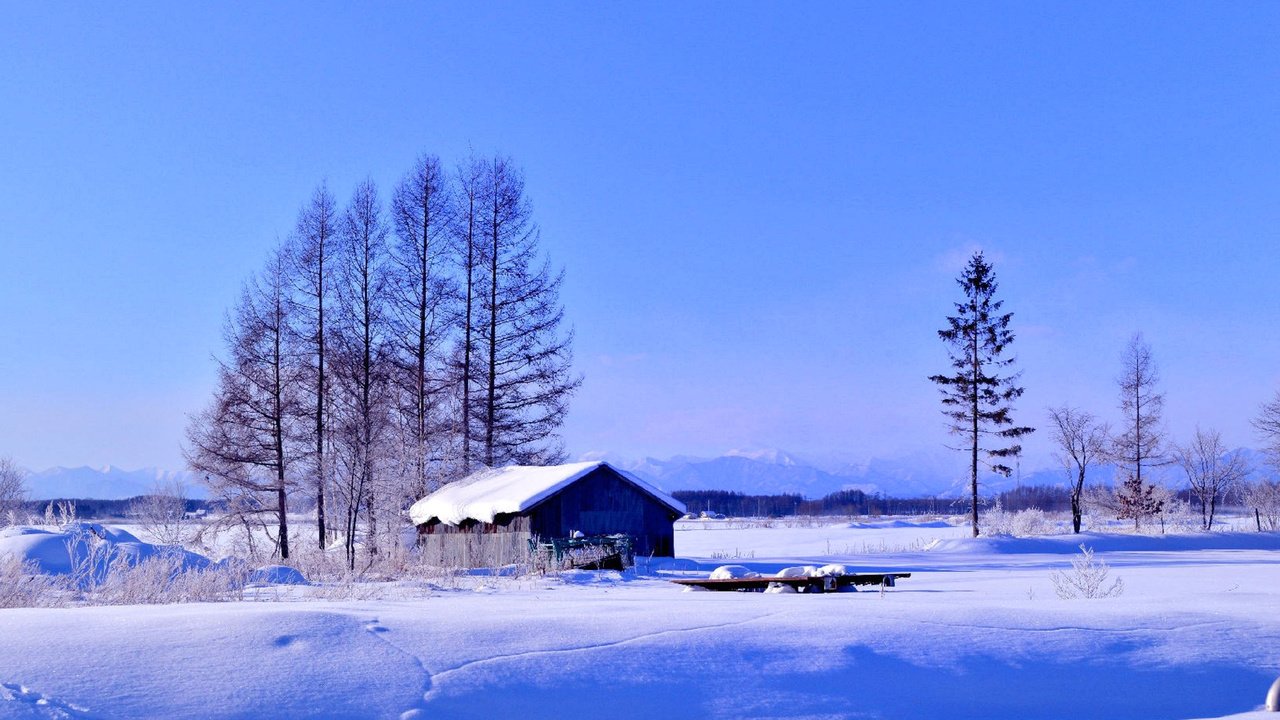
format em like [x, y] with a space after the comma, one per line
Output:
[978, 394]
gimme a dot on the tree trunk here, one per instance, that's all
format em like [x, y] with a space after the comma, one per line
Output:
[1077, 512]
[466, 341]
[322, 533]
[490, 408]
[284, 521]
[973, 390]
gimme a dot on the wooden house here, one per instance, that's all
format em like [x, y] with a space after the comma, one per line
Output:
[488, 518]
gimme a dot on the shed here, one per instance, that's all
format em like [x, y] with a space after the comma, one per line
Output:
[489, 517]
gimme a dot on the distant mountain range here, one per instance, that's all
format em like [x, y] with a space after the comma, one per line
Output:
[753, 472]
[105, 483]
[773, 472]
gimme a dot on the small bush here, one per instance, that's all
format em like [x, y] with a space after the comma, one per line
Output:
[22, 585]
[1023, 523]
[1087, 579]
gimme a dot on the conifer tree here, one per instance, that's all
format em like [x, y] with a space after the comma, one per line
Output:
[978, 394]
[1137, 500]
[1141, 441]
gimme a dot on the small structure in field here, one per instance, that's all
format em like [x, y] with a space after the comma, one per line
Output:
[490, 517]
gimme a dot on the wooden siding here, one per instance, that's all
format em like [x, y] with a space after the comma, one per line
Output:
[473, 544]
[603, 503]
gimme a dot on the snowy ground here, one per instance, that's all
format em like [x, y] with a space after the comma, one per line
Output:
[976, 632]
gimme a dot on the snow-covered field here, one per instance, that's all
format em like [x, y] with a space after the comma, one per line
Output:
[977, 632]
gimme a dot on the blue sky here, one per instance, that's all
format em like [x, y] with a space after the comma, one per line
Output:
[760, 211]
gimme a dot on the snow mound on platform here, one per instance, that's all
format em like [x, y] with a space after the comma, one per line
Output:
[733, 572]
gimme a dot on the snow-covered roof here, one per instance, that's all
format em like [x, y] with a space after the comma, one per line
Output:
[513, 489]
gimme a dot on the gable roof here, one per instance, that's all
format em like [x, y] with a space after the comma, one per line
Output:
[514, 489]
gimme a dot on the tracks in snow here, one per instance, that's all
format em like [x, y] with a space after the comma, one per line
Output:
[380, 631]
[40, 705]
[528, 654]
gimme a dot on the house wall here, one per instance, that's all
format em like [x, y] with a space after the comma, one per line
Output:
[604, 503]
[502, 542]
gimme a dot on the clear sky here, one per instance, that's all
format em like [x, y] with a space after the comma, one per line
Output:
[760, 210]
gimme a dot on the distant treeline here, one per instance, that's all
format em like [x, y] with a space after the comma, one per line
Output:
[1049, 498]
[93, 509]
[844, 502]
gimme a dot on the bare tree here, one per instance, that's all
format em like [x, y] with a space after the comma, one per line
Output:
[363, 358]
[13, 491]
[528, 378]
[1264, 497]
[1211, 471]
[245, 442]
[1082, 443]
[311, 270]
[1268, 426]
[422, 297]
[1140, 443]
[978, 396]
[470, 254]
[162, 512]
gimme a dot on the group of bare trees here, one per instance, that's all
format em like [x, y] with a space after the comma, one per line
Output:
[387, 349]
[1141, 444]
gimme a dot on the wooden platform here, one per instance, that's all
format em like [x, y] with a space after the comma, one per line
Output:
[828, 583]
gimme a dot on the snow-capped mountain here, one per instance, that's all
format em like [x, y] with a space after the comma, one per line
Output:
[105, 483]
[772, 456]
[941, 474]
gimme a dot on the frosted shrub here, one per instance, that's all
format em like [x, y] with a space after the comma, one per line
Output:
[1087, 578]
[90, 556]
[1031, 521]
[1178, 516]
[22, 585]
[163, 579]
[317, 564]
[1023, 523]
[146, 583]
[60, 514]
[101, 575]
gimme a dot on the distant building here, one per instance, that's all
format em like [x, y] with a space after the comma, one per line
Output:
[489, 517]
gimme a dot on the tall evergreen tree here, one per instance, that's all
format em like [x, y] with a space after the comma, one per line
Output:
[978, 394]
